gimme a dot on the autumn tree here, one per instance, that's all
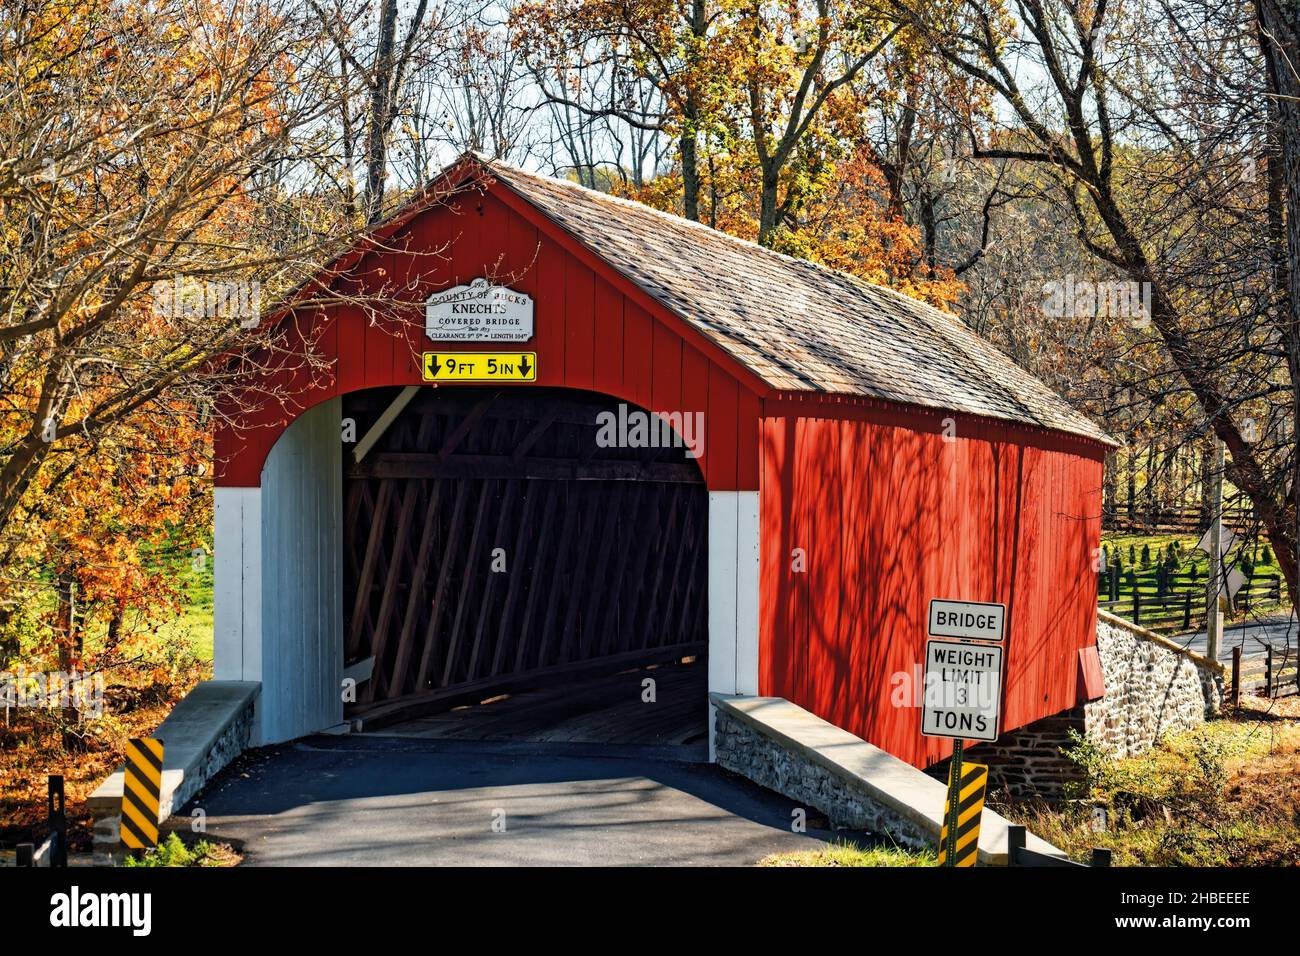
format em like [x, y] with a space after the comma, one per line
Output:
[147, 154]
[652, 66]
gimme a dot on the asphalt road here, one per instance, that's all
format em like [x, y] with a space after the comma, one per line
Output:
[1253, 637]
[370, 800]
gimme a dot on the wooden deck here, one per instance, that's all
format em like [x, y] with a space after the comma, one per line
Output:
[607, 709]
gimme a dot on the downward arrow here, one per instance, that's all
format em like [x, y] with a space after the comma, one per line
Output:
[524, 366]
[431, 364]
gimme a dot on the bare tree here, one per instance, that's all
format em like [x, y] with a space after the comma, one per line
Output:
[1146, 119]
[375, 56]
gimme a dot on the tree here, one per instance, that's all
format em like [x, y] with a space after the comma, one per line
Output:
[1144, 139]
[597, 59]
[145, 216]
[373, 63]
[1278, 28]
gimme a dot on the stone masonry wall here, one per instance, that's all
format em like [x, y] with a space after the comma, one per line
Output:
[743, 750]
[1152, 688]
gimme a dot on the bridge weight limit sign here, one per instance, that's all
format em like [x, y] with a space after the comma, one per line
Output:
[963, 690]
[963, 701]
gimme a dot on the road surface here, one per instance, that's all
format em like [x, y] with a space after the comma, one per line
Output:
[372, 800]
[1253, 637]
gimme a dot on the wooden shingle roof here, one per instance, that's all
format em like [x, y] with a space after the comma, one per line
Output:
[796, 325]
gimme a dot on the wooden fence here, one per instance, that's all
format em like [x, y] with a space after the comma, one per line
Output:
[1281, 674]
[1138, 517]
[1173, 600]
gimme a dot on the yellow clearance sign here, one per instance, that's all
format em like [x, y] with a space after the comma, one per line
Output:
[480, 366]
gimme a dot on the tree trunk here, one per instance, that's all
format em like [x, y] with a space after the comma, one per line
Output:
[767, 209]
[690, 174]
[380, 105]
[1280, 42]
[1110, 487]
[689, 141]
[65, 622]
[1207, 474]
[1130, 474]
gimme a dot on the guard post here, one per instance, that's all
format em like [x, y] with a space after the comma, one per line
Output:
[141, 793]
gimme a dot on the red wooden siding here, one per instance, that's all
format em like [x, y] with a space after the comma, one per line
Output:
[890, 515]
[592, 330]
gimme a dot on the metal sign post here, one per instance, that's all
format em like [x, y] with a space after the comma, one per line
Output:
[949, 855]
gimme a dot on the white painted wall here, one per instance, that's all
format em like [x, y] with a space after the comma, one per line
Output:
[237, 584]
[302, 578]
[733, 595]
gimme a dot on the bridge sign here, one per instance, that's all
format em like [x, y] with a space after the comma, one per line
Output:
[479, 312]
[962, 690]
[972, 620]
[479, 366]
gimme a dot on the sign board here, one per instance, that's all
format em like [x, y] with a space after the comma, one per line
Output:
[1226, 540]
[969, 619]
[479, 312]
[962, 690]
[479, 367]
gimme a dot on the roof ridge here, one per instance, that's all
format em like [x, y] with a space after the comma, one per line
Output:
[796, 324]
[677, 220]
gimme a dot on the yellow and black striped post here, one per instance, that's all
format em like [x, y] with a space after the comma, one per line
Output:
[959, 839]
[141, 791]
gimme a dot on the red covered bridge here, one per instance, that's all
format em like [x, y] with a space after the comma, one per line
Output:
[842, 455]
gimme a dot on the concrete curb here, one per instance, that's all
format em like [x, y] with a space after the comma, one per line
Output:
[899, 791]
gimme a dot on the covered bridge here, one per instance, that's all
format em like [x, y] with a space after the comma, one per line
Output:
[390, 507]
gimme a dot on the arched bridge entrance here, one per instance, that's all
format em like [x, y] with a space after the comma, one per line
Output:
[502, 541]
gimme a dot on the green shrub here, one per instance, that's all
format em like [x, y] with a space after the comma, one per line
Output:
[174, 852]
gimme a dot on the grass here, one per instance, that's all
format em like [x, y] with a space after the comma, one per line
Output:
[175, 852]
[1120, 544]
[1225, 794]
[194, 625]
[848, 854]
[1159, 543]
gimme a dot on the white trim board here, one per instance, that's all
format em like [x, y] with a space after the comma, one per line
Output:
[733, 595]
[237, 584]
[384, 422]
